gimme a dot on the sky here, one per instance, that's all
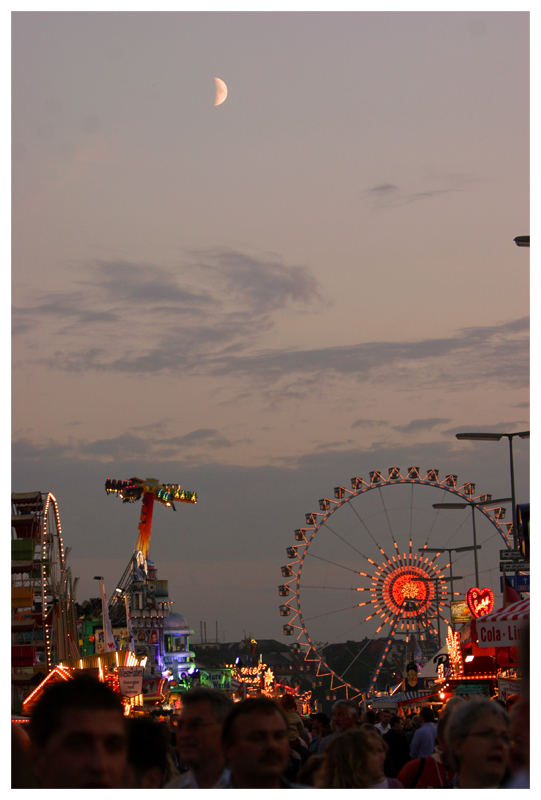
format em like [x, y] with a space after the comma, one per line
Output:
[262, 299]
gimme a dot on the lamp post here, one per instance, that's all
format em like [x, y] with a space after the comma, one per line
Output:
[101, 579]
[452, 577]
[495, 437]
[437, 593]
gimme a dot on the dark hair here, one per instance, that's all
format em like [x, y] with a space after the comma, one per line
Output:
[320, 716]
[427, 714]
[148, 745]
[81, 692]
[288, 701]
[254, 705]
[220, 703]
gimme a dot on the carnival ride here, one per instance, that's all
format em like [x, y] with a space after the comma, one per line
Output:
[43, 619]
[379, 547]
[149, 491]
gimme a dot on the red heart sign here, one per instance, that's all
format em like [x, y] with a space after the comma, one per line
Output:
[480, 601]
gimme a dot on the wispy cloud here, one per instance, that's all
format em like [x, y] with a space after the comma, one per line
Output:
[368, 423]
[151, 443]
[264, 284]
[480, 353]
[215, 301]
[421, 424]
[509, 426]
[389, 195]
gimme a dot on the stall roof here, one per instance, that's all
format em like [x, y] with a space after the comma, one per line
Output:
[515, 612]
[502, 628]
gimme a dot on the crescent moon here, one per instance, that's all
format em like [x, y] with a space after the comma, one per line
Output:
[221, 92]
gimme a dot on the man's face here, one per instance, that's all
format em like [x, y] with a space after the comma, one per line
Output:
[384, 718]
[343, 718]
[259, 752]
[198, 735]
[88, 751]
[484, 752]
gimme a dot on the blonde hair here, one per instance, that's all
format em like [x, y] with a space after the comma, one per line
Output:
[345, 759]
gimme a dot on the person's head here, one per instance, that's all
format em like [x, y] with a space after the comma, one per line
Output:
[198, 727]
[288, 702]
[396, 722]
[149, 763]
[79, 736]
[354, 760]
[22, 776]
[370, 716]
[384, 718]
[320, 723]
[311, 772]
[443, 722]
[427, 714]
[255, 742]
[478, 739]
[345, 715]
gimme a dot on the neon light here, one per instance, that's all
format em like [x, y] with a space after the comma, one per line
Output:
[480, 601]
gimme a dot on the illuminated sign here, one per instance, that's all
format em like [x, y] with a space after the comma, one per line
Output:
[480, 601]
[460, 612]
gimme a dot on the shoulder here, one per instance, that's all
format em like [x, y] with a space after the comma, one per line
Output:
[184, 781]
[409, 768]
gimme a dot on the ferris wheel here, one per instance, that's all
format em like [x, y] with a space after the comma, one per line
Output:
[374, 560]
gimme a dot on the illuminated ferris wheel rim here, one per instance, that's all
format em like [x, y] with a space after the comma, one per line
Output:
[413, 572]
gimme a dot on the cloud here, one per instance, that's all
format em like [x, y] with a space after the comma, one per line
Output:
[130, 445]
[483, 355]
[420, 424]
[515, 425]
[147, 285]
[207, 437]
[383, 189]
[368, 423]
[388, 195]
[473, 354]
[215, 301]
[266, 284]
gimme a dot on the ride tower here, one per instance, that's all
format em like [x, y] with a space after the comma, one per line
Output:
[140, 602]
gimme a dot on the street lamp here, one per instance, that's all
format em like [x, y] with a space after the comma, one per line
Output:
[102, 588]
[495, 437]
[452, 577]
[436, 587]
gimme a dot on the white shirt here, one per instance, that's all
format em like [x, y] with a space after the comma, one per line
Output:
[187, 780]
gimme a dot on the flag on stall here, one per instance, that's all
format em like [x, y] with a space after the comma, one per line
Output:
[108, 638]
[510, 595]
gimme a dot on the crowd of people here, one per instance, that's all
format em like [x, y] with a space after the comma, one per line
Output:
[78, 737]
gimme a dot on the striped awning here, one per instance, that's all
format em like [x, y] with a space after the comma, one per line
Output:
[401, 697]
[502, 628]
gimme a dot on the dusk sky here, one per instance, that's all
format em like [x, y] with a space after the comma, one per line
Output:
[261, 299]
